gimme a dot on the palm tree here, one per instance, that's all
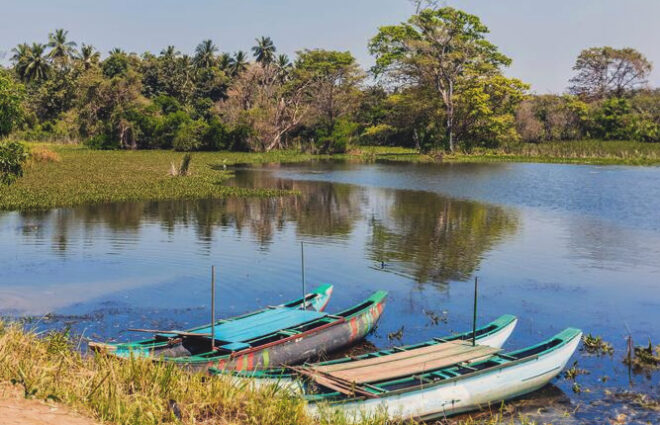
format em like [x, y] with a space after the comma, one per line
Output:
[170, 52]
[239, 62]
[88, 56]
[60, 48]
[224, 62]
[283, 62]
[116, 51]
[264, 51]
[21, 53]
[283, 65]
[205, 54]
[36, 63]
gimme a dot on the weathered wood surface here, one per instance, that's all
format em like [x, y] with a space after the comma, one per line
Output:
[407, 363]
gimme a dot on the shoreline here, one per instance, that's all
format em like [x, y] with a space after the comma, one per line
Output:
[73, 175]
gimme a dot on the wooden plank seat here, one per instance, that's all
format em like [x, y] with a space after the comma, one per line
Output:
[404, 363]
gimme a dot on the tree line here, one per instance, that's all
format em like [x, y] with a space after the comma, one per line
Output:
[438, 83]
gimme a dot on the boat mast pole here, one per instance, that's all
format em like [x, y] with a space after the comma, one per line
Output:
[302, 266]
[474, 314]
[212, 308]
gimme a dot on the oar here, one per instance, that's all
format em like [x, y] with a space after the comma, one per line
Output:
[173, 332]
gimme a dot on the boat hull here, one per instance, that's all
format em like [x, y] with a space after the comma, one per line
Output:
[284, 380]
[305, 346]
[461, 395]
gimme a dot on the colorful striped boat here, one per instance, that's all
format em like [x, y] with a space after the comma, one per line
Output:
[285, 334]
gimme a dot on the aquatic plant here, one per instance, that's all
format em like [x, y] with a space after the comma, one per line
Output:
[574, 371]
[596, 345]
[644, 357]
[183, 169]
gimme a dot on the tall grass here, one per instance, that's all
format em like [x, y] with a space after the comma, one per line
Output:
[139, 392]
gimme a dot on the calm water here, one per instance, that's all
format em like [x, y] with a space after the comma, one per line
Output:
[556, 245]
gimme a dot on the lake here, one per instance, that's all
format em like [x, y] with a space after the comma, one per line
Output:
[556, 245]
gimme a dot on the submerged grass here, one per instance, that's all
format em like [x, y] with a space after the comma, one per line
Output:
[139, 392]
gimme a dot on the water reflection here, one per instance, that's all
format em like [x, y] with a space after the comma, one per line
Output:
[437, 239]
[424, 236]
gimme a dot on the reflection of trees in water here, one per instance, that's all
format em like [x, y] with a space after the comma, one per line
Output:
[321, 209]
[437, 239]
[419, 234]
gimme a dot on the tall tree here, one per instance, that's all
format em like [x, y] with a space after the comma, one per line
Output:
[12, 94]
[88, 56]
[33, 64]
[443, 50]
[205, 54]
[238, 63]
[333, 81]
[264, 50]
[169, 53]
[61, 49]
[605, 71]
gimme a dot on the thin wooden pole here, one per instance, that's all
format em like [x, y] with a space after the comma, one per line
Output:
[302, 265]
[474, 315]
[212, 308]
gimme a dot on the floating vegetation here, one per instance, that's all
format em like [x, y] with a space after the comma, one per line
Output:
[396, 335]
[595, 345]
[574, 371]
[435, 318]
[643, 357]
[640, 400]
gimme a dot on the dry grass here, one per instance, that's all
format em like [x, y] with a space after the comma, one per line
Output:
[139, 392]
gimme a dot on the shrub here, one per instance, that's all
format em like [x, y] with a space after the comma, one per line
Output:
[12, 94]
[102, 141]
[169, 127]
[189, 136]
[12, 158]
[216, 137]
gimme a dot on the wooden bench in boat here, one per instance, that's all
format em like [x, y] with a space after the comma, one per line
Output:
[347, 377]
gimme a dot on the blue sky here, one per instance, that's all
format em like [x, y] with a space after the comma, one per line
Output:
[542, 37]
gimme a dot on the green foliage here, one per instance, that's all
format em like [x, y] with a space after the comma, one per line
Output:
[338, 138]
[444, 54]
[168, 128]
[115, 65]
[443, 88]
[12, 159]
[12, 94]
[189, 136]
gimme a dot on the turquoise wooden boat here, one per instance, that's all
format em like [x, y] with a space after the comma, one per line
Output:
[431, 384]
[284, 334]
[494, 334]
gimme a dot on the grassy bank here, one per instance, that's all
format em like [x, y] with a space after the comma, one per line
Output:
[138, 392]
[69, 175]
[593, 152]
[571, 152]
[76, 175]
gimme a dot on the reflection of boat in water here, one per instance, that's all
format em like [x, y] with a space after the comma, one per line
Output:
[274, 336]
[429, 380]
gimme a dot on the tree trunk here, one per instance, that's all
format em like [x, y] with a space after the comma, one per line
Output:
[450, 117]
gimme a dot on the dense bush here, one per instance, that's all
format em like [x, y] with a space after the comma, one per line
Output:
[12, 158]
